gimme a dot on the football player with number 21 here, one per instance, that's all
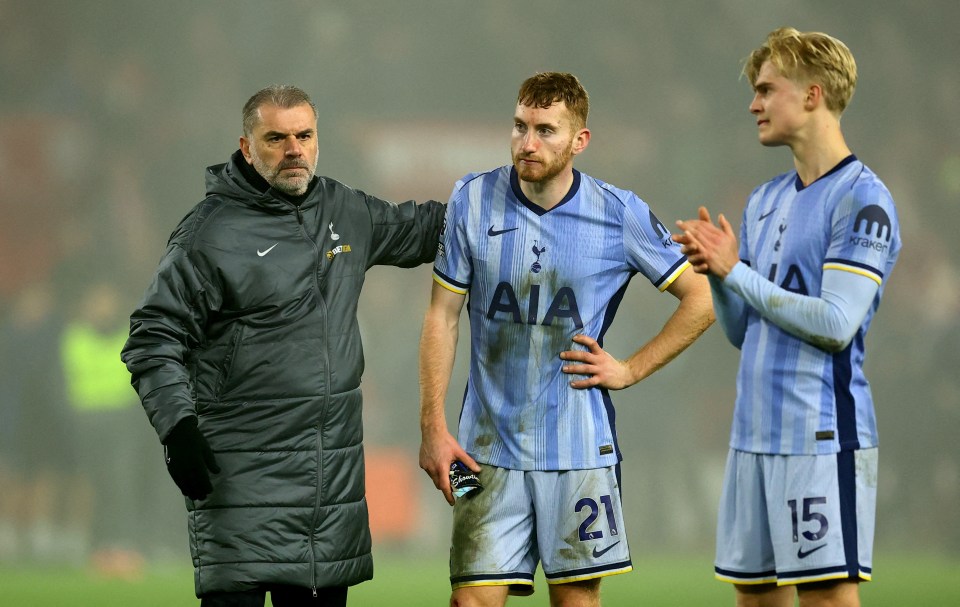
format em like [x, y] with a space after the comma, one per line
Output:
[545, 253]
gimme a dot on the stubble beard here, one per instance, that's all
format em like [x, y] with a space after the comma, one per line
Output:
[546, 172]
[293, 185]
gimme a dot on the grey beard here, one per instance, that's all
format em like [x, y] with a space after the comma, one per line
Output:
[293, 186]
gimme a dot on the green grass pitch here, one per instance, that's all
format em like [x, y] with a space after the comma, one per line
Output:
[402, 580]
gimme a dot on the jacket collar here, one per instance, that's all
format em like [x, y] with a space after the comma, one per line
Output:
[239, 180]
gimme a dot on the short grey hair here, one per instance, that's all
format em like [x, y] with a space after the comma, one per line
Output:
[280, 95]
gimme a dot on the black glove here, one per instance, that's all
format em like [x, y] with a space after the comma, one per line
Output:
[189, 458]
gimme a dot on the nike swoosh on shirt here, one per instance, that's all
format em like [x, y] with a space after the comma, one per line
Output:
[262, 253]
[801, 554]
[492, 232]
[765, 215]
[598, 553]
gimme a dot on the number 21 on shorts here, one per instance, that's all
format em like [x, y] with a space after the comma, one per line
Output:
[588, 503]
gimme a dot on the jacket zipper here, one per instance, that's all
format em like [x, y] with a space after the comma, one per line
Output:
[326, 397]
[230, 360]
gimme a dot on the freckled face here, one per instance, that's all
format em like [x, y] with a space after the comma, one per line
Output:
[542, 142]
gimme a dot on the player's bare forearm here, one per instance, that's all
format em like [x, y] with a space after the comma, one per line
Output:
[438, 344]
[684, 327]
[692, 317]
[437, 347]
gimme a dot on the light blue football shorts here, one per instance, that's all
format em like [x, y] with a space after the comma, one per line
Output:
[569, 521]
[792, 519]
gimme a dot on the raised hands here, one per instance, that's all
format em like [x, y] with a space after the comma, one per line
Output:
[710, 248]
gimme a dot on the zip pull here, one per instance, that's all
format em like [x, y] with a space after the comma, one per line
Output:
[314, 592]
[299, 216]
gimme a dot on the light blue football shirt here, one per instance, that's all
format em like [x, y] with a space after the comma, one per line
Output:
[792, 397]
[535, 279]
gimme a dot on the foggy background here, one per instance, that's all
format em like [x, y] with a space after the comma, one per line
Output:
[110, 111]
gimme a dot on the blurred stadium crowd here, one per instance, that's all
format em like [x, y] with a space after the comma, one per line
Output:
[109, 114]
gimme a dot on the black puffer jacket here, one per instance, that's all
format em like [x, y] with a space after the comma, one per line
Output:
[250, 324]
